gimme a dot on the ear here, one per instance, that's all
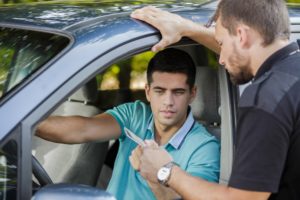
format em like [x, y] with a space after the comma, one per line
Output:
[244, 36]
[147, 91]
[193, 94]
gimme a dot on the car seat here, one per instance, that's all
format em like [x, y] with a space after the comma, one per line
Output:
[78, 163]
[206, 104]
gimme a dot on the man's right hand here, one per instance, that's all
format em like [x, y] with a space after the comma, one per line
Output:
[152, 159]
[171, 26]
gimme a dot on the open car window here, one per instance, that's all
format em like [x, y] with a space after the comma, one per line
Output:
[122, 82]
[22, 52]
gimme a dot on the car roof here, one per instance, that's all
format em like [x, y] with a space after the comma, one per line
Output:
[71, 16]
[65, 15]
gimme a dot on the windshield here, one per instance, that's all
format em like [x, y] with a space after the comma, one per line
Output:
[22, 52]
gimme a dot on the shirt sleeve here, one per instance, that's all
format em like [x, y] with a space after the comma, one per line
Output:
[120, 114]
[205, 161]
[261, 151]
[130, 115]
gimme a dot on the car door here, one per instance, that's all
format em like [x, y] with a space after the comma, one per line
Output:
[83, 59]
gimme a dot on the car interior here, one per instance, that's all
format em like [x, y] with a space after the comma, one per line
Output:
[92, 163]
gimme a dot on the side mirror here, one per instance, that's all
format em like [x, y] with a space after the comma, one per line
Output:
[65, 191]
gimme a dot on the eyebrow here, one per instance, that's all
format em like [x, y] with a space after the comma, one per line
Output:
[175, 89]
[157, 87]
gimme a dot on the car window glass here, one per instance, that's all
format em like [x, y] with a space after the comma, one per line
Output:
[8, 171]
[129, 73]
[123, 81]
[294, 37]
[22, 52]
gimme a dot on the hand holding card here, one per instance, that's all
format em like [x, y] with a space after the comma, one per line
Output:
[134, 137]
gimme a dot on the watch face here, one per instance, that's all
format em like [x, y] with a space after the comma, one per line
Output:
[163, 174]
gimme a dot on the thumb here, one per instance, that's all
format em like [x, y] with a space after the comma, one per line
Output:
[151, 143]
[163, 43]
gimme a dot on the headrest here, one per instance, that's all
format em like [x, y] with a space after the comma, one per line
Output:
[87, 93]
[81, 102]
[205, 107]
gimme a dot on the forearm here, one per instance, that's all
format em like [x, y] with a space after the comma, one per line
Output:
[190, 187]
[201, 34]
[60, 129]
[161, 192]
[187, 186]
[195, 188]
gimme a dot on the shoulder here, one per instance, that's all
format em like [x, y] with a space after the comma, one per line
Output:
[132, 107]
[131, 113]
[273, 88]
[199, 136]
[136, 105]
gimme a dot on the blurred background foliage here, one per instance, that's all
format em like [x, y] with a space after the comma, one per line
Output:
[74, 1]
[93, 1]
[130, 73]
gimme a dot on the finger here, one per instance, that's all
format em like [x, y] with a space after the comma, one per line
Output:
[150, 19]
[162, 44]
[148, 143]
[137, 152]
[132, 162]
[136, 13]
[149, 15]
[151, 143]
[135, 164]
[141, 11]
[157, 47]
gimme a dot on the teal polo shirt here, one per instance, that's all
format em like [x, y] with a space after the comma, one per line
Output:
[192, 148]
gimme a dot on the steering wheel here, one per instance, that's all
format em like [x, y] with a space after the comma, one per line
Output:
[40, 173]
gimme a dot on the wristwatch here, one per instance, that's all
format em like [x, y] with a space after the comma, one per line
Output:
[164, 173]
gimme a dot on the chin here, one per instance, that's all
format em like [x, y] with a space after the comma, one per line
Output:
[167, 122]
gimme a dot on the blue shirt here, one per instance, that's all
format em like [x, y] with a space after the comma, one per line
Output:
[192, 148]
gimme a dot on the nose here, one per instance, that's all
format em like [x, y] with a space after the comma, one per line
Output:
[221, 60]
[168, 99]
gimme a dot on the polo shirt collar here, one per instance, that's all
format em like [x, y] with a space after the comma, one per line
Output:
[179, 136]
[275, 57]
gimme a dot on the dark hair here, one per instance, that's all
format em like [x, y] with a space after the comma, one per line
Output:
[269, 17]
[172, 61]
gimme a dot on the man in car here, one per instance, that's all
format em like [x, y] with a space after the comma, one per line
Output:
[252, 38]
[168, 121]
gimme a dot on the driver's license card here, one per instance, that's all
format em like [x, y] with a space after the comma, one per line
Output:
[134, 137]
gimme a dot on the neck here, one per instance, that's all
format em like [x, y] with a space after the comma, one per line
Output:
[162, 136]
[164, 133]
[263, 53]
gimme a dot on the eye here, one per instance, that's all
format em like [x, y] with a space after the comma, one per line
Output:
[179, 92]
[158, 91]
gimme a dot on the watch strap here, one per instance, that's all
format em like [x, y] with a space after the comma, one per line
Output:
[169, 166]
